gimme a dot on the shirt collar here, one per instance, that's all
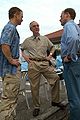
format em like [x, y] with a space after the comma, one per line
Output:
[70, 21]
[11, 23]
[38, 37]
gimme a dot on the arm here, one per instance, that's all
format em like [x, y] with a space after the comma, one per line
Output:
[72, 37]
[6, 51]
[23, 49]
[26, 57]
[51, 54]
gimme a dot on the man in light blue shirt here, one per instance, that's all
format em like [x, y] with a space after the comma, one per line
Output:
[70, 45]
[71, 60]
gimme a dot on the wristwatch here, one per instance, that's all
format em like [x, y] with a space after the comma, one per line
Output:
[51, 54]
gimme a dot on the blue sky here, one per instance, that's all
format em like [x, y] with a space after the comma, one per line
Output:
[45, 12]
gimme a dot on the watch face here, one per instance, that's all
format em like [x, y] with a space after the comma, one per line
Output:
[50, 53]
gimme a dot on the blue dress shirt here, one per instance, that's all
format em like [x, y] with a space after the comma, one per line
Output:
[70, 41]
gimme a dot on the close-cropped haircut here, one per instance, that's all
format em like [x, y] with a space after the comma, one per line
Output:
[12, 11]
[30, 25]
[71, 11]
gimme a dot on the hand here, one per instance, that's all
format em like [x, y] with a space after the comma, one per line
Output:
[15, 62]
[66, 59]
[26, 57]
[49, 57]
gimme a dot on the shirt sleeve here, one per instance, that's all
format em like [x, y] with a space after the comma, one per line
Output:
[24, 45]
[7, 35]
[51, 46]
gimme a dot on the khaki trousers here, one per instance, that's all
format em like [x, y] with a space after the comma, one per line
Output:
[36, 69]
[11, 85]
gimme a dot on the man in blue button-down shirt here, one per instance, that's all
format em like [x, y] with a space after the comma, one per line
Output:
[70, 47]
[9, 62]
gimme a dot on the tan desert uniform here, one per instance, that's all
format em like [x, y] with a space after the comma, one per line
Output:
[37, 49]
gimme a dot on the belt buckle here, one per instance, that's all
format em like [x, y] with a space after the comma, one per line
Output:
[38, 60]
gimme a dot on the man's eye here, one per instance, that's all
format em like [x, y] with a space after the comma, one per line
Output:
[35, 25]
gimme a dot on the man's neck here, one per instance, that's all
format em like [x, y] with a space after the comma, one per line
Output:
[13, 22]
[36, 35]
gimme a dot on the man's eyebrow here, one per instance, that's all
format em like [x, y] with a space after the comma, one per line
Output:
[35, 25]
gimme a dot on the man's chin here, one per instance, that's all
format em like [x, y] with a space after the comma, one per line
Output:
[62, 24]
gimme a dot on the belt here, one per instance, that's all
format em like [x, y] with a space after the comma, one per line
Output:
[38, 60]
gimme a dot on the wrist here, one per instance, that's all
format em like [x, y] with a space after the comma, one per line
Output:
[69, 57]
[10, 59]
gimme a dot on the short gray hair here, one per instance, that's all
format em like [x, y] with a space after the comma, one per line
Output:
[30, 25]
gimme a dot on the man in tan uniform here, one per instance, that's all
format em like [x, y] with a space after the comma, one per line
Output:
[38, 60]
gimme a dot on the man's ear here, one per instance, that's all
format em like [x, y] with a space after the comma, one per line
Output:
[67, 13]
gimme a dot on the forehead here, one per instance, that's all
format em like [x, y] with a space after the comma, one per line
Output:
[62, 13]
[34, 23]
